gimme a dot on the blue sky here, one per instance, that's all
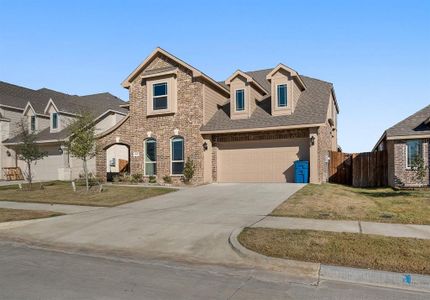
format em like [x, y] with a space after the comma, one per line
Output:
[377, 53]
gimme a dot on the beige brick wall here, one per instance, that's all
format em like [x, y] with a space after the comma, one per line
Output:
[326, 143]
[404, 177]
[187, 120]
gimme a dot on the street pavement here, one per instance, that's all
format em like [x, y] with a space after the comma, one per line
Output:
[31, 273]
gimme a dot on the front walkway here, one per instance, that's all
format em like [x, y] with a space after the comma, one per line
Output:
[385, 229]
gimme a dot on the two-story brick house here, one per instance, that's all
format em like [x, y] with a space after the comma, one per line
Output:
[249, 128]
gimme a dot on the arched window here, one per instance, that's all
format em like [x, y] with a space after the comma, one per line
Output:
[177, 156]
[150, 157]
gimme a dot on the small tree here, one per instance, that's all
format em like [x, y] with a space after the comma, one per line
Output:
[82, 141]
[418, 165]
[189, 170]
[28, 151]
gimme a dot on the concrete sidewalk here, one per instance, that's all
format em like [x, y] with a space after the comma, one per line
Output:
[62, 208]
[386, 229]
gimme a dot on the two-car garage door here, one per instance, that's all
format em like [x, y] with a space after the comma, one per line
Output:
[260, 161]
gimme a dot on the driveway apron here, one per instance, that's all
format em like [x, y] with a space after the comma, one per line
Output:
[192, 224]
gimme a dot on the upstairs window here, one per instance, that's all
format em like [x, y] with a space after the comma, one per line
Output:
[54, 120]
[240, 100]
[413, 151]
[281, 92]
[177, 146]
[159, 98]
[33, 123]
[150, 157]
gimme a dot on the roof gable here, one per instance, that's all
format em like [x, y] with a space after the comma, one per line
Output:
[248, 79]
[293, 73]
[195, 73]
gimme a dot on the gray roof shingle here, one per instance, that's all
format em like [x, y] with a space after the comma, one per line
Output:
[413, 125]
[311, 108]
[18, 96]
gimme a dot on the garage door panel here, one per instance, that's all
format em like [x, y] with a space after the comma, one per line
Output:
[260, 161]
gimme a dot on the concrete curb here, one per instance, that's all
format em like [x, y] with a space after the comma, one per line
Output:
[297, 271]
[414, 282]
[320, 272]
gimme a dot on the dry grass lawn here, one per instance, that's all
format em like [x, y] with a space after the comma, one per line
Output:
[344, 249]
[7, 214]
[62, 193]
[332, 201]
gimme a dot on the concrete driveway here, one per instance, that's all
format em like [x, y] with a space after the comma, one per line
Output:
[192, 224]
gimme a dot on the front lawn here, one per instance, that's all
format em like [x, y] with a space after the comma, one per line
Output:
[62, 193]
[7, 214]
[344, 249]
[338, 202]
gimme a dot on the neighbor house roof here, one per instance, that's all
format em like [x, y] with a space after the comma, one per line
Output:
[98, 104]
[416, 124]
[311, 108]
[44, 136]
[18, 97]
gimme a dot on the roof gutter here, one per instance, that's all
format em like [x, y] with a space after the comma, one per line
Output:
[408, 137]
[261, 129]
[36, 142]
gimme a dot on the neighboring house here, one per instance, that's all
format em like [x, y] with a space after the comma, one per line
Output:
[404, 142]
[48, 113]
[250, 128]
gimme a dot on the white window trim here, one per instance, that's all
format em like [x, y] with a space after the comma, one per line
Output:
[171, 156]
[277, 95]
[408, 167]
[160, 96]
[144, 157]
[235, 100]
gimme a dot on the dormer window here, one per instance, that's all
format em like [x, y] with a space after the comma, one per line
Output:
[33, 123]
[240, 100]
[54, 120]
[159, 99]
[281, 94]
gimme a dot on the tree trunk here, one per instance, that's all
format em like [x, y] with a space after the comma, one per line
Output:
[29, 176]
[86, 174]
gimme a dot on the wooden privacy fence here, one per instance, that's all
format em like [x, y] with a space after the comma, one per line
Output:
[367, 169]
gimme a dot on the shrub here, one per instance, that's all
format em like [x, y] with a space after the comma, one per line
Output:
[138, 177]
[167, 179]
[418, 165]
[189, 170]
[152, 179]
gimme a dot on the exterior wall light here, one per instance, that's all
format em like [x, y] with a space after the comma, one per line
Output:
[8, 153]
[312, 140]
[205, 146]
[60, 150]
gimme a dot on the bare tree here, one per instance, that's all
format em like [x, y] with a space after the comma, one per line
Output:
[82, 141]
[28, 151]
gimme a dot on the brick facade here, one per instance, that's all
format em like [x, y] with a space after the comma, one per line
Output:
[325, 144]
[403, 177]
[185, 122]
